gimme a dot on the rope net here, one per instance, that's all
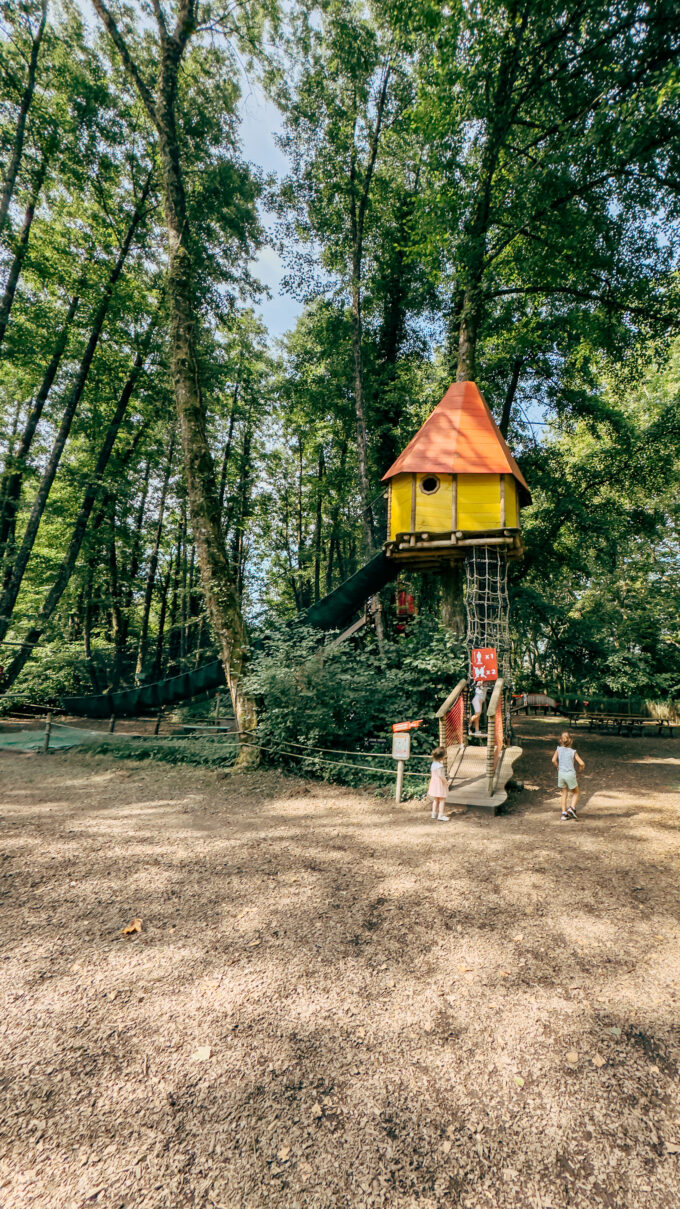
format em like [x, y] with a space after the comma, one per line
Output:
[488, 609]
[452, 725]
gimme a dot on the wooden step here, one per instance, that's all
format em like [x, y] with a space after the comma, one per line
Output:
[470, 787]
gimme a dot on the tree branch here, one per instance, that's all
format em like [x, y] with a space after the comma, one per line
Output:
[145, 94]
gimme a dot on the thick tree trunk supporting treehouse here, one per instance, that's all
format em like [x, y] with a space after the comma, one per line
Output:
[452, 579]
[219, 589]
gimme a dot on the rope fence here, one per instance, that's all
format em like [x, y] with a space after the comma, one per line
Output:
[53, 735]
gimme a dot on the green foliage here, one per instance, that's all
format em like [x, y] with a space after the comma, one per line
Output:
[199, 753]
[346, 698]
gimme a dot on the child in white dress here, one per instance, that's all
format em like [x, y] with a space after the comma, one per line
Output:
[439, 786]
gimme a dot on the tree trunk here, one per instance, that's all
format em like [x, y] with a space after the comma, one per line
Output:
[21, 249]
[218, 586]
[243, 509]
[510, 395]
[173, 644]
[89, 498]
[358, 202]
[468, 333]
[199, 472]
[472, 301]
[10, 593]
[10, 489]
[318, 528]
[158, 661]
[367, 524]
[453, 602]
[153, 564]
[227, 446]
[18, 144]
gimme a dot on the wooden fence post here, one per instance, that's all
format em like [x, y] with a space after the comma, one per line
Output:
[48, 732]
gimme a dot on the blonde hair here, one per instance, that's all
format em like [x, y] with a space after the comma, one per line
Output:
[438, 753]
[566, 739]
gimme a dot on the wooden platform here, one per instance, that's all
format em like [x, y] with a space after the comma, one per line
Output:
[470, 785]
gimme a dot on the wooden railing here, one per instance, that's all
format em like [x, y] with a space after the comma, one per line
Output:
[495, 743]
[452, 727]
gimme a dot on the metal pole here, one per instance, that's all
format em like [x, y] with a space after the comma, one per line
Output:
[400, 781]
[112, 724]
[157, 727]
[48, 731]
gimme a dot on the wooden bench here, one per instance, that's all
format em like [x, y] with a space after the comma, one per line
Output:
[630, 724]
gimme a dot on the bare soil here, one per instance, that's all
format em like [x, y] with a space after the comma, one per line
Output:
[335, 1002]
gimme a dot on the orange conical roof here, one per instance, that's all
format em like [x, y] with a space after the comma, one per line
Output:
[460, 437]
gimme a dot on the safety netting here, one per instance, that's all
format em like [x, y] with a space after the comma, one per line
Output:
[30, 736]
[149, 697]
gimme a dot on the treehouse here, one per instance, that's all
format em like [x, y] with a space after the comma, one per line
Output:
[456, 485]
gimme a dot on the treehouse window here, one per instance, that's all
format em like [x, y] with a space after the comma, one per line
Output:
[429, 484]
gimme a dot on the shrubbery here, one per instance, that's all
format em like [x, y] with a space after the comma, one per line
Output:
[345, 698]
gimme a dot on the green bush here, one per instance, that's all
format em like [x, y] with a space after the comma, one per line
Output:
[345, 698]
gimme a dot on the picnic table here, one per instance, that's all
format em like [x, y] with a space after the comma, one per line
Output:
[629, 724]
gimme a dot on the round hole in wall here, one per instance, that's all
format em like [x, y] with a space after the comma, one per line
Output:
[429, 484]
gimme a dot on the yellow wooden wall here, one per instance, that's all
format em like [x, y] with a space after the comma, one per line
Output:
[478, 504]
[479, 501]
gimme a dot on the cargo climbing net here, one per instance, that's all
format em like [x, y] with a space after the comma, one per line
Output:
[487, 607]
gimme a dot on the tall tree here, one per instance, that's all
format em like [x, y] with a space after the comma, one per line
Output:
[162, 103]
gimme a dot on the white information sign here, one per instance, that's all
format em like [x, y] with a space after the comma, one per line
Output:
[401, 746]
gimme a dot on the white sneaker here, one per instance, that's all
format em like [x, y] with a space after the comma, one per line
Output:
[443, 818]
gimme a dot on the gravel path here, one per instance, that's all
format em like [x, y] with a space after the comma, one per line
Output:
[334, 1001]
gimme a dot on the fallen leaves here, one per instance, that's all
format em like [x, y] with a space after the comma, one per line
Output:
[519, 1080]
[672, 1147]
[135, 925]
[317, 1110]
[253, 944]
[283, 1154]
[446, 1146]
[599, 1061]
[572, 1057]
[519, 937]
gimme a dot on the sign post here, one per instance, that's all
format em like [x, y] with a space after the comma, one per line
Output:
[484, 664]
[401, 750]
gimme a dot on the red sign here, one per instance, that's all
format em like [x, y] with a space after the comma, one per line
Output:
[484, 663]
[399, 726]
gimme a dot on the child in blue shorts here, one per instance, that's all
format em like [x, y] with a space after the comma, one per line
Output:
[564, 760]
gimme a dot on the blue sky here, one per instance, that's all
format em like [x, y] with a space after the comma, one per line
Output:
[260, 122]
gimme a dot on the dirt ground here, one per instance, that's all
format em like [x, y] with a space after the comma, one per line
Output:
[335, 1002]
